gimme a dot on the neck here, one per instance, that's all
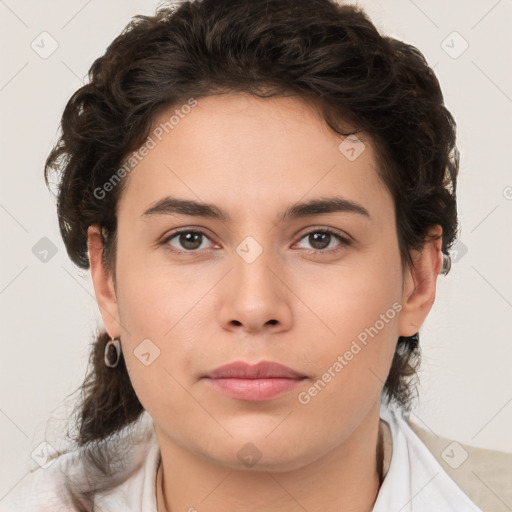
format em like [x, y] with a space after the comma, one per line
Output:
[347, 478]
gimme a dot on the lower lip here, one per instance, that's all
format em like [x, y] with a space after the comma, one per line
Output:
[255, 390]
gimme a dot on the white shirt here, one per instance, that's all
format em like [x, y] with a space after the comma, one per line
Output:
[414, 481]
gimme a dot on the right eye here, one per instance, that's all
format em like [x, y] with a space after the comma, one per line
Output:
[189, 241]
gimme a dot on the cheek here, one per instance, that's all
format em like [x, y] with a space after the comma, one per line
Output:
[154, 295]
[350, 296]
[359, 311]
[159, 350]
[162, 315]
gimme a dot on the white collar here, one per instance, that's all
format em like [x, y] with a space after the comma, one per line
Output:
[415, 481]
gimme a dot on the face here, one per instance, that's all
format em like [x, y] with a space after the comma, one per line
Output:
[320, 291]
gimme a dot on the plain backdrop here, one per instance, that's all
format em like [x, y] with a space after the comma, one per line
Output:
[48, 309]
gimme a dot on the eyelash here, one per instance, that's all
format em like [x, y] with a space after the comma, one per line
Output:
[344, 240]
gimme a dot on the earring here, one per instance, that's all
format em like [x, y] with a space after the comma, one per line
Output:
[447, 264]
[112, 352]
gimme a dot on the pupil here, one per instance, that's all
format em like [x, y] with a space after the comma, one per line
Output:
[187, 240]
[318, 237]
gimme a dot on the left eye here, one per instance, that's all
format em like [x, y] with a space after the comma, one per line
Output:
[321, 239]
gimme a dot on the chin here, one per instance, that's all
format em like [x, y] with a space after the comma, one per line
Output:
[259, 453]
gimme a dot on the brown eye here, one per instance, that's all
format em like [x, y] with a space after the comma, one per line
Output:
[319, 240]
[186, 241]
[324, 240]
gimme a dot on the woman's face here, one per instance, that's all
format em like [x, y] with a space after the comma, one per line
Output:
[258, 285]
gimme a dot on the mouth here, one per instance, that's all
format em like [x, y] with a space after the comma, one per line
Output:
[254, 390]
[260, 382]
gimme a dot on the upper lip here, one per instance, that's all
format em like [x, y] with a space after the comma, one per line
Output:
[262, 370]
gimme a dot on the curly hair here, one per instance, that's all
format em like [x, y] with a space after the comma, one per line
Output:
[328, 54]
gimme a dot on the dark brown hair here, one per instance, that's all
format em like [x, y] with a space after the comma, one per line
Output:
[327, 54]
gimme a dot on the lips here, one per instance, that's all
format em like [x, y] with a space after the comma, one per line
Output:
[262, 370]
[255, 383]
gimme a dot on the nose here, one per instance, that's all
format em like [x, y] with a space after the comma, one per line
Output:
[255, 296]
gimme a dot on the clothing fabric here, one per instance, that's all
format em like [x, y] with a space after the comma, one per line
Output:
[414, 480]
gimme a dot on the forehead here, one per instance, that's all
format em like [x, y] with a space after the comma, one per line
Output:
[250, 152]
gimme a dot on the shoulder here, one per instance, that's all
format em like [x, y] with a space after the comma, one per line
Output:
[110, 471]
[484, 475]
[41, 489]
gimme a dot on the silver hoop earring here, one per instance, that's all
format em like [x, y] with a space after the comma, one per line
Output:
[447, 264]
[112, 353]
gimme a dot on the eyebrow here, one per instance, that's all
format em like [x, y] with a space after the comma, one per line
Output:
[335, 204]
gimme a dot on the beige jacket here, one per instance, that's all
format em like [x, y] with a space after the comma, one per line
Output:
[484, 475]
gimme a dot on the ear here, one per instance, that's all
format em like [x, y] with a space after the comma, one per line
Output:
[103, 283]
[420, 284]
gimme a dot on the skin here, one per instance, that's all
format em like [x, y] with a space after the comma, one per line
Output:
[254, 157]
